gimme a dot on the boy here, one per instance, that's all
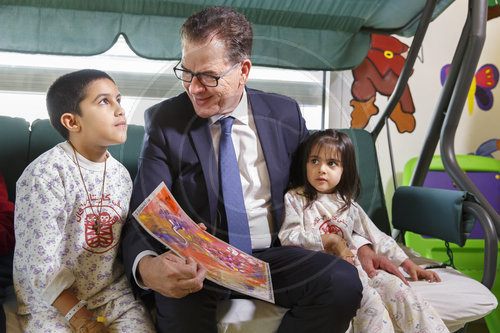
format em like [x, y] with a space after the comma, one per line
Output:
[70, 207]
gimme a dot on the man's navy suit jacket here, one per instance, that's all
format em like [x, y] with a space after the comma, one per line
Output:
[178, 151]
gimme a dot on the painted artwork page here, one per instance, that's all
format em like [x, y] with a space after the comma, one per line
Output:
[164, 219]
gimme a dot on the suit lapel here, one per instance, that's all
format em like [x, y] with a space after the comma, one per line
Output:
[202, 140]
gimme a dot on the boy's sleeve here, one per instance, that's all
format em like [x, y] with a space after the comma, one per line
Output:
[294, 230]
[40, 220]
[7, 239]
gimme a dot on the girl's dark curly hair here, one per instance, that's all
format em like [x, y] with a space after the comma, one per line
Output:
[338, 143]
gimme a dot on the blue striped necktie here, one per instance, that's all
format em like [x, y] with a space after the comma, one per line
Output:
[237, 221]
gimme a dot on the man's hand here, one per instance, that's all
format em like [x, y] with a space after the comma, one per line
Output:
[171, 275]
[370, 261]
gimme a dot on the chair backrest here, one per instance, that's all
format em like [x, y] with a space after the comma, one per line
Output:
[128, 152]
[44, 136]
[19, 146]
[372, 197]
[14, 142]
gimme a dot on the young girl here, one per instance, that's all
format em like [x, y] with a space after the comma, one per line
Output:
[322, 215]
[71, 204]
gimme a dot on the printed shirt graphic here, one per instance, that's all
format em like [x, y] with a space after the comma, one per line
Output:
[100, 237]
[304, 226]
[57, 243]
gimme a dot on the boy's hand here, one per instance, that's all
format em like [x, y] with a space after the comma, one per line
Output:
[349, 259]
[85, 325]
[418, 273]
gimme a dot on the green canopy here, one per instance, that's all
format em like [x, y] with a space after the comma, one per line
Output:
[307, 34]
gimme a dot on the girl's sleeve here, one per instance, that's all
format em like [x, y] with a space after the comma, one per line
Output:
[40, 219]
[382, 243]
[295, 230]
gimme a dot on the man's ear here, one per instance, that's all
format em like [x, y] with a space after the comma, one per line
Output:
[245, 70]
[70, 121]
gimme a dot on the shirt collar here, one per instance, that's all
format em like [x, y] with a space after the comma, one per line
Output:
[241, 112]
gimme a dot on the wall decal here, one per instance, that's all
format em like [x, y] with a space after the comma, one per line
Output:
[378, 73]
[483, 82]
[488, 147]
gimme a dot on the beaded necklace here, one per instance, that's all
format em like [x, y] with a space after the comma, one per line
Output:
[97, 222]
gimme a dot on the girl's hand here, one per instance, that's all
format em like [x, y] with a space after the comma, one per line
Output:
[418, 273]
[202, 226]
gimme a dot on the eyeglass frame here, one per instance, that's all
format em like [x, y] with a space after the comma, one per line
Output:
[216, 77]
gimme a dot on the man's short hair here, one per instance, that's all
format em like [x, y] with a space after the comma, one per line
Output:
[225, 25]
[66, 93]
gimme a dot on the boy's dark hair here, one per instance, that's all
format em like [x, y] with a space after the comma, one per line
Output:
[223, 24]
[66, 93]
[349, 185]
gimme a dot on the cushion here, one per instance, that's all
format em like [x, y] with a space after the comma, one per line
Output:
[372, 197]
[458, 299]
[14, 139]
[44, 137]
[248, 315]
[128, 152]
[10, 307]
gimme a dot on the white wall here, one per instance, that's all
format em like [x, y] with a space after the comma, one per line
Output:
[425, 86]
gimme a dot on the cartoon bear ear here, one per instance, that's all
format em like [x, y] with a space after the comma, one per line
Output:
[493, 11]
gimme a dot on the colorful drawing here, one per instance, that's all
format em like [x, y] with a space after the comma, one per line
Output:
[163, 218]
[379, 73]
[483, 82]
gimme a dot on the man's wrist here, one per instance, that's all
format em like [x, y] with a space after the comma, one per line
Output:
[138, 277]
[140, 268]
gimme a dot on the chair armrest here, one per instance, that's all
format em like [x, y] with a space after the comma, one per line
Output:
[432, 212]
[490, 242]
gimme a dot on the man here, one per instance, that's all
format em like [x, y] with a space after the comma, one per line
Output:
[181, 146]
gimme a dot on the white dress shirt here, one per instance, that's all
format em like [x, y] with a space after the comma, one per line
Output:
[255, 183]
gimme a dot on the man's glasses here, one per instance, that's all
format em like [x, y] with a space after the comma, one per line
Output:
[205, 79]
